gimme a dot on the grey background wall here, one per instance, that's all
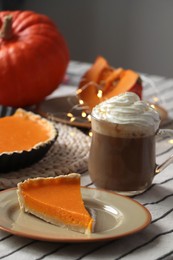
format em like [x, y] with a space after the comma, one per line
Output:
[135, 34]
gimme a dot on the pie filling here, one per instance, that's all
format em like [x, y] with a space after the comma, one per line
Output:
[24, 131]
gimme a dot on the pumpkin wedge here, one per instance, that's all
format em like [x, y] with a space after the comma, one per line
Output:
[102, 81]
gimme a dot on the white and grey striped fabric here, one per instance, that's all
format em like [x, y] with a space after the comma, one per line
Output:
[153, 243]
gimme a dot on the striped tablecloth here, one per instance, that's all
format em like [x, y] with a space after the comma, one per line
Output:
[154, 242]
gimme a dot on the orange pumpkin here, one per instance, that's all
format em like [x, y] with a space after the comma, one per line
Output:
[33, 58]
[110, 81]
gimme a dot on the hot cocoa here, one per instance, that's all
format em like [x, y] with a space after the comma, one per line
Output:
[122, 164]
[122, 154]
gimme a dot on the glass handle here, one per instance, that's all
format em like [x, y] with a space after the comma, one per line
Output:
[167, 162]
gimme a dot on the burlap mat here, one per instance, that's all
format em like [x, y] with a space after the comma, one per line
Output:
[68, 154]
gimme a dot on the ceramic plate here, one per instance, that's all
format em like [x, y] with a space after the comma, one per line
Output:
[115, 216]
[58, 109]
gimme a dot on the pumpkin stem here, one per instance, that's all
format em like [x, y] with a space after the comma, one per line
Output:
[6, 30]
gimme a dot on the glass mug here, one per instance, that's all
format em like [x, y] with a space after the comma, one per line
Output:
[122, 156]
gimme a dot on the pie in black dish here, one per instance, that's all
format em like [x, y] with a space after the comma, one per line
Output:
[25, 137]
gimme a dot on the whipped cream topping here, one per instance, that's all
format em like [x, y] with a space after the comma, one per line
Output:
[127, 108]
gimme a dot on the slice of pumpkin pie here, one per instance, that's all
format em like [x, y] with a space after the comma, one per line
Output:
[57, 200]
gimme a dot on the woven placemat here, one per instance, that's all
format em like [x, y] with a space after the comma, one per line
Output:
[68, 154]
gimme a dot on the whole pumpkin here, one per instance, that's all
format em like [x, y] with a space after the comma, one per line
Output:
[33, 58]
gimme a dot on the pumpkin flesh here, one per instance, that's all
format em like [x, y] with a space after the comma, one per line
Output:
[102, 81]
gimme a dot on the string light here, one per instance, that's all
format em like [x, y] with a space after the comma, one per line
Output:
[83, 107]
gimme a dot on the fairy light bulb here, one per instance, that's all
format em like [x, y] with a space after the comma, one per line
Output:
[83, 114]
[100, 93]
[72, 119]
[155, 99]
[90, 133]
[81, 102]
[70, 115]
[89, 118]
[153, 106]
[78, 91]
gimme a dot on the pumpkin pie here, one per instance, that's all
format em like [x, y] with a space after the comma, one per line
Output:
[25, 137]
[56, 200]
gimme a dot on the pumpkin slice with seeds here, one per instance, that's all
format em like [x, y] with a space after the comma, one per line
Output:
[102, 81]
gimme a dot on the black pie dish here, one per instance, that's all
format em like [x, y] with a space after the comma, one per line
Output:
[13, 161]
